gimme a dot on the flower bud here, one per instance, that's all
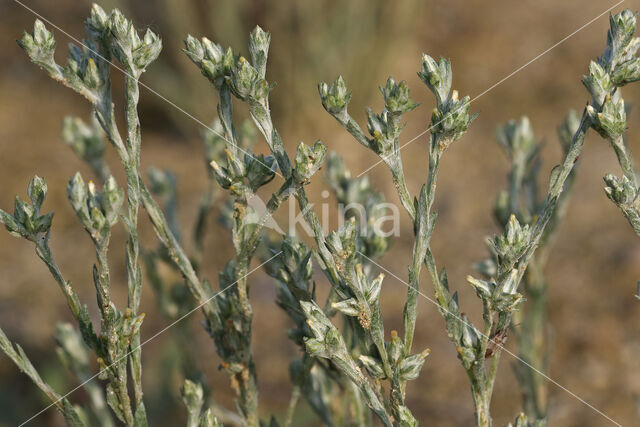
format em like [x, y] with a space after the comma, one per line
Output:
[148, 51]
[112, 199]
[335, 98]
[396, 97]
[26, 220]
[37, 192]
[598, 83]
[343, 244]
[395, 348]
[193, 397]
[97, 212]
[620, 191]
[213, 51]
[518, 140]
[40, 46]
[77, 194]
[382, 131]
[259, 49]
[451, 120]
[243, 79]
[510, 246]
[626, 72]
[611, 122]
[308, 160]
[259, 170]
[437, 77]
[194, 49]
[221, 174]
[98, 22]
[373, 366]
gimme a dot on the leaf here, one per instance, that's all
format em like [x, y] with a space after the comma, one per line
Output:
[348, 307]
[114, 404]
[409, 368]
[140, 417]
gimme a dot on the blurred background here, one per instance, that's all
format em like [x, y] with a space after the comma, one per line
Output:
[592, 271]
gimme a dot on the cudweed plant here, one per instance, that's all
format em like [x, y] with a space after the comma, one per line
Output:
[347, 374]
[520, 202]
[513, 252]
[620, 66]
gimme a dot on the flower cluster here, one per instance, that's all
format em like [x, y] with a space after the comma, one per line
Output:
[246, 79]
[617, 66]
[97, 211]
[27, 220]
[450, 119]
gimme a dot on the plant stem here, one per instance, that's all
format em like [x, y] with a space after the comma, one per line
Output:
[556, 188]
[481, 401]
[532, 344]
[44, 253]
[291, 408]
[134, 273]
[623, 152]
[261, 116]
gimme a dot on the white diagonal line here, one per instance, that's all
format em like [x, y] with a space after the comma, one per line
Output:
[504, 79]
[502, 347]
[153, 91]
[151, 338]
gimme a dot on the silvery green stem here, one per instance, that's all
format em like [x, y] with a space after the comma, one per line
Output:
[19, 357]
[441, 293]
[27, 222]
[87, 73]
[247, 379]
[262, 117]
[559, 176]
[318, 233]
[118, 377]
[244, 86]
[481, 400]
[74, 354]
[273, 204]
[399, 181]
[101, 274]
[533, 345]
[291, 407]
[160, 223]
[392, 159]
[419, 253]
[493, 372]
[482, 390]
[625, 158]
[176, 252]
[102, 285]
[357, 407]
[521, 199]
[77, 309]
[134, 273]
[385, 129]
